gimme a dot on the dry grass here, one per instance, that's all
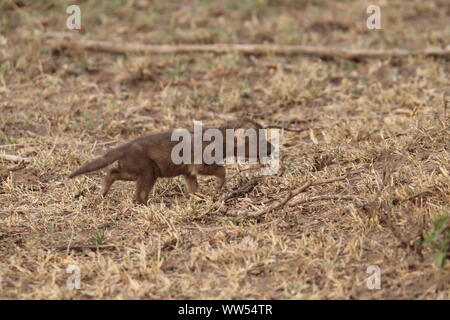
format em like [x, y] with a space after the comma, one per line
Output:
[381, 122]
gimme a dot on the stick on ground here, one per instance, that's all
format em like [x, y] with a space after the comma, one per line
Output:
[86, 247]
[12, 158]
[291, 129]
[319, 198]
[61, 39]
[241, 191]
[292, 194]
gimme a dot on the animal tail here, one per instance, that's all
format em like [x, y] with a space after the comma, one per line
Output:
[100, 162]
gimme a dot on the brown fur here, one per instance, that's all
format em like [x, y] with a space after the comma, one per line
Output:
[146, 159]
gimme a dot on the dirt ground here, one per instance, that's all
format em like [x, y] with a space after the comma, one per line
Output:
[381, 123]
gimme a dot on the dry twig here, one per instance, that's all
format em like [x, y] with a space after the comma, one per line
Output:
[292, 194]
[87, 247]
[241, 191]
[291, 129]
[13, 158]
[61, 39]
[319, 198]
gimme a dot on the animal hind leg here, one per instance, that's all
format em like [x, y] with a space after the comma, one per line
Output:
[113, 175]
[144, 184]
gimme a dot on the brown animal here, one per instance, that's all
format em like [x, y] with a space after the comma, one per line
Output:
[146, 159]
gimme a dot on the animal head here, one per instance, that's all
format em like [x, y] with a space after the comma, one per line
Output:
[249, 139]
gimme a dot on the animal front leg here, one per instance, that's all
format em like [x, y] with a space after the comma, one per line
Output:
[217, 171]
[220, 174]
[191, 183]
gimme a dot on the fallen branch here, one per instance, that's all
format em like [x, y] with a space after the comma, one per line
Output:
[222, 116]
[414, 196]
[291, 129]
[292, 194]
[18, 166]
[10, 145]
[241, 191]
[319, 198]
[64, 39]
[12, 158]
[296, 120]
[84, 247]
[248, 187]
